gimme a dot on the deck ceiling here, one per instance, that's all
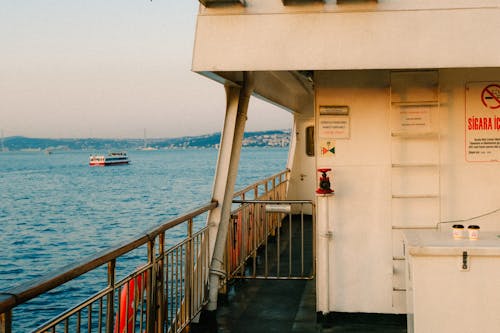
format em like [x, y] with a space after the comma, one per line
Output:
[291, 90]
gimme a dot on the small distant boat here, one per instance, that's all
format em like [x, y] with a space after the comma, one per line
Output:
[148, 148]
[117, 158]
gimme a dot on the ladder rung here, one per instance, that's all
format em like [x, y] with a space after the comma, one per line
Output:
[415, 135]
[414, 196]
[414, 165]
[415, 227]
[417, 103]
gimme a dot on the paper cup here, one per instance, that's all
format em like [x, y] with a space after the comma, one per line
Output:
[473, 232]
[458, 231]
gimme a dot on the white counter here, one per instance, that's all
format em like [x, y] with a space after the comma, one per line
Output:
[435, 243]
[452, 285]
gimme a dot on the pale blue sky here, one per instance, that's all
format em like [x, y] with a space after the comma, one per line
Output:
[108, 68]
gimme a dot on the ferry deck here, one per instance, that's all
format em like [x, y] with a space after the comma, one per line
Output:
[252, 305]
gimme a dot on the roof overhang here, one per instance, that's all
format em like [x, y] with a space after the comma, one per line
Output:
[347, 40]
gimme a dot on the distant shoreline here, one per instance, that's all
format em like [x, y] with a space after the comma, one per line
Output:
[271, 138]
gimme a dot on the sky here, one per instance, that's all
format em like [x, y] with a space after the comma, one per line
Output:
[109, 69]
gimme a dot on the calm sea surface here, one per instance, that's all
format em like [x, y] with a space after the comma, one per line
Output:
[55, 210]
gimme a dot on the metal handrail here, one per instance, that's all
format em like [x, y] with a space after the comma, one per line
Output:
[187, 278]
[281, 176]
[255, 223]
[274, 190]
[22, 293]
[273, 201]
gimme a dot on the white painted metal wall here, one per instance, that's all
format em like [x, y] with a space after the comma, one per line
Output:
[383, 182]
[302, 181]
[348, 35]
[361, 180]
[368, 277]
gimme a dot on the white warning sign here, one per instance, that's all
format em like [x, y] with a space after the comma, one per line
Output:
[482, 122]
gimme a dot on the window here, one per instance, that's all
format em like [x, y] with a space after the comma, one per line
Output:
[310, 141]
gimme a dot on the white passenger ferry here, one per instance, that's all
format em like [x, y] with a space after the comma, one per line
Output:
[113, 158]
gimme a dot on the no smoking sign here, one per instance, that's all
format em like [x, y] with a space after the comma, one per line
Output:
[490, 96]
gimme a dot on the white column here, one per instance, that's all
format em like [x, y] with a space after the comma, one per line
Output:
[223, 163]
[324, 253]
[225, 179]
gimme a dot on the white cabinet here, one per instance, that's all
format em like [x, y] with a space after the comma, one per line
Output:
[453, 286]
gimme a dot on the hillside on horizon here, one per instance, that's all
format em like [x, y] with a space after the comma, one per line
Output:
[271, 138]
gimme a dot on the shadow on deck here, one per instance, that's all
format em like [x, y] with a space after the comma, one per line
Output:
[286, 306]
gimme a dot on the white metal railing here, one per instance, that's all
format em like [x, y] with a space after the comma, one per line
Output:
[166, 291]
[266, 240]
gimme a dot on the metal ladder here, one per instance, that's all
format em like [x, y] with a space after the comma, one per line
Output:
[415, 163]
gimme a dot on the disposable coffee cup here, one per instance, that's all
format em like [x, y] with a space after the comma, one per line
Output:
[458, 231]
[473, 232]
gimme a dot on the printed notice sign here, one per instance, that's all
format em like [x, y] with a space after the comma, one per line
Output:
[416, 119]
[482, 122]
[334, 127]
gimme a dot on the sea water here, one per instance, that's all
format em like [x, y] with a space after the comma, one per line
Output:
[55, 209]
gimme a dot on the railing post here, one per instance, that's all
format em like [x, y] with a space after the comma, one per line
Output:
[161, 280]
[110, 297]
[6, 322]
[189, 268]
[151, 289]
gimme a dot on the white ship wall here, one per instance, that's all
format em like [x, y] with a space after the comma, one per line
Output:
[368, 171]
[347, 35]
[302, 183]
[355, 49]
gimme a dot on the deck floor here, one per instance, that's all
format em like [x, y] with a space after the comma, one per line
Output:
[284, 306]
[266, 306]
